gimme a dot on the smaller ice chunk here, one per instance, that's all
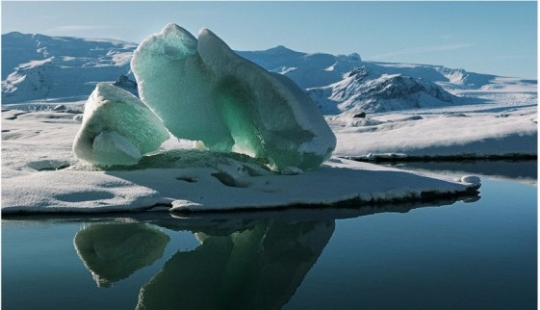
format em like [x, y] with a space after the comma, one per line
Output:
[470, 179]
[117, 128]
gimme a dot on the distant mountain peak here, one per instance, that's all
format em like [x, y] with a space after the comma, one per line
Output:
[280, 49]
[14, 33]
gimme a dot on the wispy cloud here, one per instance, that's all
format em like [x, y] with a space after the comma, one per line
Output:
[513, 57]
[71, 28]
[424, 50]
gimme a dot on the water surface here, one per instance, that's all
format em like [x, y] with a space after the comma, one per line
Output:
[465, 255]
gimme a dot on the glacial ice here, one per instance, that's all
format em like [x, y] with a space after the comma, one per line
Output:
[117, 128]
[204, 92]
[173, 83]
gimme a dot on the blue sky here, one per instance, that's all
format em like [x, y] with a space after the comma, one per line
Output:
[485, 37]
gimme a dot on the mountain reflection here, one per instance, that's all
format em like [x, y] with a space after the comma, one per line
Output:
[258, 266]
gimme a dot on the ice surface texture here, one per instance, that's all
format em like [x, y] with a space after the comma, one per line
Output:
[203, 91]
[117, 128]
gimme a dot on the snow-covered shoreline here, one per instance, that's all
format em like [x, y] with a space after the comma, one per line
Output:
[40, 174]
[468, 132]
[201, 189]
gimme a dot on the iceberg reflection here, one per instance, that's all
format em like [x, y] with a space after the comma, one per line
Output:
[114, 251]
[252, 260]
[258, 268]
[252, 264]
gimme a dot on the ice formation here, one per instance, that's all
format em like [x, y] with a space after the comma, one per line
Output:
[117, 128]
[204, 92]
[201, 90]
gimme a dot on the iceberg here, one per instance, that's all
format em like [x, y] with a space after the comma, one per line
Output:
[174, 84]
[203, 91]
[117, 128]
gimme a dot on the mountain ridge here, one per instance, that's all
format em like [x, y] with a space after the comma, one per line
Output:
[40, 67]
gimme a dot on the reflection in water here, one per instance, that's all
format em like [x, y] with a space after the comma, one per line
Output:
[259, 266]
[113, 251]
[252, 260]
[454, 257]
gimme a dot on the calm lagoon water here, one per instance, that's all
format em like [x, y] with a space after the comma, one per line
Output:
[478, 254]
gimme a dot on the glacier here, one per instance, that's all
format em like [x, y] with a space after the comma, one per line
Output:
[203, 91]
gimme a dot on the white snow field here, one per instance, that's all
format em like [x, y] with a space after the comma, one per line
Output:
[375, 110]
[41, 174]
[468, 131]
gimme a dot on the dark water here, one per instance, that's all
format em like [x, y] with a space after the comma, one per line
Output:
[476, 255]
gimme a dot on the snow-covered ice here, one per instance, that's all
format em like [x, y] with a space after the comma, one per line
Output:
[117, 128]
[214, 187]
[40, 176]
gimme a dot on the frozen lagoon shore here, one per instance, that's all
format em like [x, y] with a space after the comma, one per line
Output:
[40, 174]
[482, 131]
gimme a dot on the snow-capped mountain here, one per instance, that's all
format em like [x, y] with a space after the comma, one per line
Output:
[345, 83]
[307, 70]
[39, 67]
[361, 91]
